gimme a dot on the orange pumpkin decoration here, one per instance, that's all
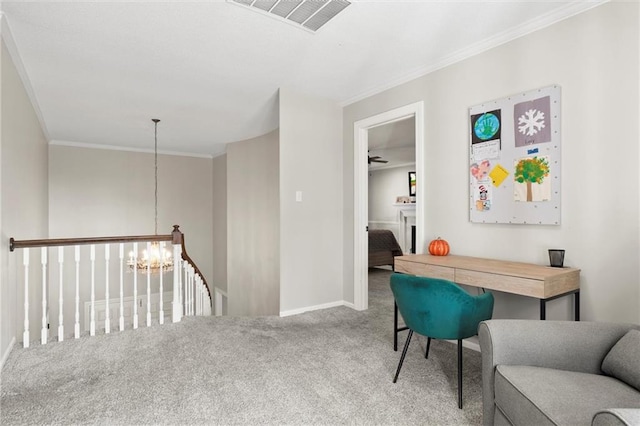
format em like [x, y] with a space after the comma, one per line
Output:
[439, 247]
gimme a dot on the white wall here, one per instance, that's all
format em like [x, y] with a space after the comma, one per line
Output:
[311, 234]
[384, 186]
[253, 226]
[219, 277]
[23, 198]
[594, 58]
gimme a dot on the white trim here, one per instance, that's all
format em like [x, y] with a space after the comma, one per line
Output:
[384, 222]
[7, 36]
[360, 198]
[218, 293]
[312, 308]
[393, 166]
[56, 142]
[6, 353]
[533, 25]
[470, 343]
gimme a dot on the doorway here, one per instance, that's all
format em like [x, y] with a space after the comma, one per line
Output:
[361, 187]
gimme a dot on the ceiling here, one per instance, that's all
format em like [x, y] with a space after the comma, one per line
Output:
[99, 71]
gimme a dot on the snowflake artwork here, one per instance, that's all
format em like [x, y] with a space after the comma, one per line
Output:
[531, 122]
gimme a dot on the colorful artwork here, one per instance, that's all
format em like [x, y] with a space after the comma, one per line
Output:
[532, 123]
[480, 171]
[482, 197]
[485, 127]
[412, 184]
[498, 175]
[530, 179]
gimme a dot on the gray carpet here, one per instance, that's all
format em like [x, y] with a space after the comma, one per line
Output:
[333, 366]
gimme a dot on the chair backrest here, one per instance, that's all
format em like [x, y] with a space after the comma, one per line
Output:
[439, 308]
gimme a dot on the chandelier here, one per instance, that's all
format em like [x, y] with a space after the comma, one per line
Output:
[155, 258]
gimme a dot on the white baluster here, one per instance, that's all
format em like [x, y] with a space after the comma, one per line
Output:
[197, 296]
[107, 319]
[176, 306]
[76, 328]
[186, 288]
[25, 263]
[92, 323]
[161, 310]
[192, 287]
[135, 286]
[43, 331]
[121, 253]
[60, 273]
[193, 290]
[199, 312]
[149, 285]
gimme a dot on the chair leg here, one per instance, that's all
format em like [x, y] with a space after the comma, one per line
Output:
[404, 353]
[460, 373]
[426, 353]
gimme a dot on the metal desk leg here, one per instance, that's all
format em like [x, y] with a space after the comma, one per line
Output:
[577, 305]
[543, 309]
[395, 326]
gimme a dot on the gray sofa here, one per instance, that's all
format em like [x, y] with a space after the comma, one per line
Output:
[551, 373]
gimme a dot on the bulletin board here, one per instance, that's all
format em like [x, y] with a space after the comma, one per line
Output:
[514, 159]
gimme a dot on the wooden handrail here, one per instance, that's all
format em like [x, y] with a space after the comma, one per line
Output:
[175, 237]
[186, 257]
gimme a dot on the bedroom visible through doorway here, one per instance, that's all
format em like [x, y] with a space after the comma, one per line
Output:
[378, 128]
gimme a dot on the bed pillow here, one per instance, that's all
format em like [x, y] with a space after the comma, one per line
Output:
[623, 360]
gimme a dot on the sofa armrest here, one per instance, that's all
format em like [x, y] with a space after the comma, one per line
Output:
[565, 345]
[617, 416]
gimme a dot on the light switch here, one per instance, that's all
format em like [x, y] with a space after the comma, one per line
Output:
[299, 196]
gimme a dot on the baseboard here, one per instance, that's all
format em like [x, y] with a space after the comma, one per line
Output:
[312, 308]
[349, 305]
[470, 343]
[6, 353]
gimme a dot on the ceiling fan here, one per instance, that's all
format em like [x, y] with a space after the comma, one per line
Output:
[376, 159]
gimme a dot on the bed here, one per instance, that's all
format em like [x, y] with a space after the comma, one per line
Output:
[383, 247]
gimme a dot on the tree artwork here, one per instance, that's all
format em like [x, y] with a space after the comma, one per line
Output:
[531, 170]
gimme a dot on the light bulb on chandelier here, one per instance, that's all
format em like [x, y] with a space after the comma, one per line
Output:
[155, 258]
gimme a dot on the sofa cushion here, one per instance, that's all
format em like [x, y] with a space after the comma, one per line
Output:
[545, 396]
[623, 360]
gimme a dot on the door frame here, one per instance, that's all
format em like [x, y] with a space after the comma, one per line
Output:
[361, 192]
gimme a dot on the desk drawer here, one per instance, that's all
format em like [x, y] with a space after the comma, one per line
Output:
[505, 283]
[424, 270]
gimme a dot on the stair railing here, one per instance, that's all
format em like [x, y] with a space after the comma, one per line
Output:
[190, 292]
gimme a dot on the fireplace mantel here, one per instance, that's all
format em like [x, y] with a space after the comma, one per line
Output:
[406, 218]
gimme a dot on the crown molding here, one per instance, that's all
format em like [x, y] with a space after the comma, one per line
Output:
[7, 37]
[128, 149]
[528, 27]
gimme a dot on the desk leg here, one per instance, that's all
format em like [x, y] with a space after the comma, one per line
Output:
[577, 305]
[395, 326]
[543, 309]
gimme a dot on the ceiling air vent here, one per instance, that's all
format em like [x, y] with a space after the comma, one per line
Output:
[311, 14]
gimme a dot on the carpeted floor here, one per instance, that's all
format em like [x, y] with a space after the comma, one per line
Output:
[327, 367]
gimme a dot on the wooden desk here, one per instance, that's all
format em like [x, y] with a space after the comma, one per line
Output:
[541, 282]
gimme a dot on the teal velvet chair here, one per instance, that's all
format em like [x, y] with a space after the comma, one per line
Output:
[439, 309]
